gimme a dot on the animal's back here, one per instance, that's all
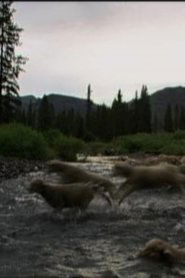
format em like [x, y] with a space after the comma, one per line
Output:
[154, 176]
[67, 196]
[75, 195]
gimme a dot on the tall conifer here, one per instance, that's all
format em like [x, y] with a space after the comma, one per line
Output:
[10, 63]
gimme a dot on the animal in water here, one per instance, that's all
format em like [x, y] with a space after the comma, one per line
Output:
[75, 195]
[142, 177]
[172, 159]
[179, 169]
[154, 160]
[182, 168]
[122, 169]
[71, 174]
[161, 250]
[162, 158]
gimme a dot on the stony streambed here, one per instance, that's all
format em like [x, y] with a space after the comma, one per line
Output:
[13, 167]
[36, 242]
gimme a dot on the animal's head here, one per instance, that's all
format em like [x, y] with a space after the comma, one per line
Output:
[36, 186]
[155, 249]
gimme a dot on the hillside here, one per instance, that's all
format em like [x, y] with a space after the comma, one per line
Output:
[60, 103]
[160, 99]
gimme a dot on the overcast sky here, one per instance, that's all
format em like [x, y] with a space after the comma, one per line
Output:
[111, 45]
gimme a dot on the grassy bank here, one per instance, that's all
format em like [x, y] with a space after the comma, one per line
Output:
[166, 143]
[20, 141]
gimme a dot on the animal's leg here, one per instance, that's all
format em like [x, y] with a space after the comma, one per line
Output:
[128, 189]
[106, 196]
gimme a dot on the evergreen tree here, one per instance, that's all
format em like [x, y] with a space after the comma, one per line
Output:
[10, 63]
[133, 116]
[168, 119]
[119, 115]
[18, 114]
[119, 97]
[89, 105]
[102, 128]
[62, 123]
[80, 128]
[31, 115]
[155, 126]
[23, 119]
[46, 115]
[144, 111]
[176, 117]
[182, 118]
[71, 128]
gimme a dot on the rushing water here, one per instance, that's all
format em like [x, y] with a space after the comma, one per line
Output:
[36, 242]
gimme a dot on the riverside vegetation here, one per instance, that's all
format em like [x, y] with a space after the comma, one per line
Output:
[17, 140]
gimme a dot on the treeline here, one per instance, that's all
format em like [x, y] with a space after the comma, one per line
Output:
[102, 123]
[174, 118]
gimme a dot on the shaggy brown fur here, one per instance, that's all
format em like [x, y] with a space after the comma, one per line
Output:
[153, 160]
[172, 159]
[67, 196]
[182, 169]
[178, 169]
[157, 249]
[125, 169]
[141, 177]
[70, 174]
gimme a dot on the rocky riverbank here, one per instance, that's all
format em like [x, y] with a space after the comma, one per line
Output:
[13, 167]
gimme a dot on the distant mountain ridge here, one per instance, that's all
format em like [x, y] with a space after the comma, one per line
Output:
[170, 95]
[159, 101]
[60, 103]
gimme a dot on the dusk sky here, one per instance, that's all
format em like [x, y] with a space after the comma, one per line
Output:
[111, 45]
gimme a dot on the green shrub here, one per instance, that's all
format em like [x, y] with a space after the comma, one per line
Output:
[167, 143]
[19, 141]
[144, 143]
[111, 149]
[132, 144]
[68, 147]
[95, 148]
[174, 148]
[179, 135]
[51, 136]
[118, 147]
[151, 143]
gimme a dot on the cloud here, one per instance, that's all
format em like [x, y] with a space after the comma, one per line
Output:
[109, 44]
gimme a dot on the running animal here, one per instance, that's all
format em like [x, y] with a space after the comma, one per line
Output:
[141, 177]
[161, 250]
[72, 174]
[77, 195]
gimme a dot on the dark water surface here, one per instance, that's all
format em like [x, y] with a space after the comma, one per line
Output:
[36, 242]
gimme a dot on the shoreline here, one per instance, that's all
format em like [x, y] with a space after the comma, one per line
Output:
[11, 167]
